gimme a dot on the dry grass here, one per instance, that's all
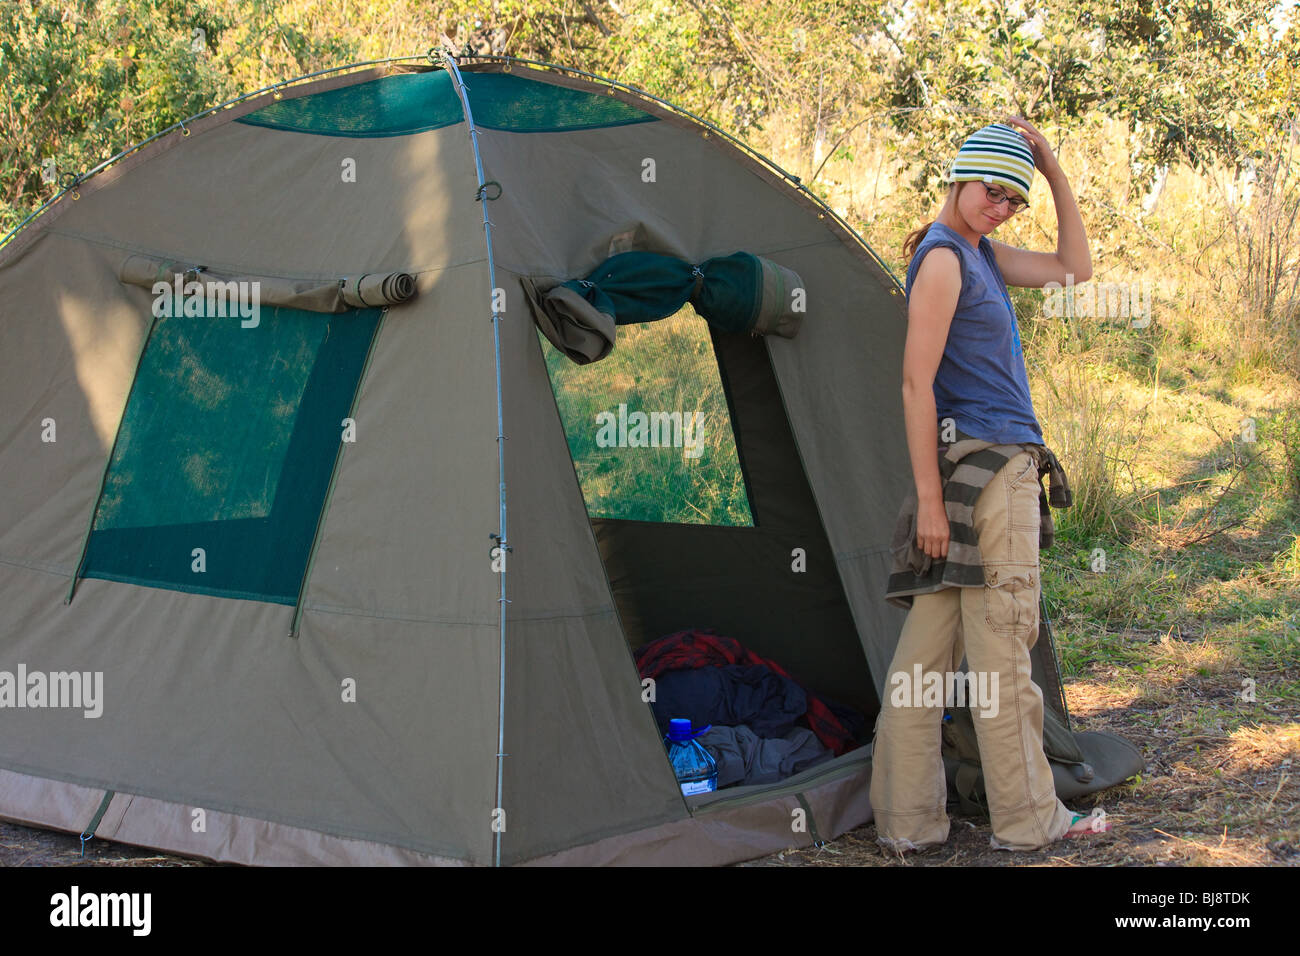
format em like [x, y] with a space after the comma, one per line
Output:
[1229, 798]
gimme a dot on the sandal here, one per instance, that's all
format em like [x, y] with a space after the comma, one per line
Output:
[1082, 825]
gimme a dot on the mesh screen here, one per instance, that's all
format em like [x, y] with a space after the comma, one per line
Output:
[227, 445]
[678, 464]
[389, 106]
[415, 102]
[508, 102]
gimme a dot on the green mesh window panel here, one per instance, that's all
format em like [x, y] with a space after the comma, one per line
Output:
[228, 444]
[416, 102]
[678, 464]
[389, 106]
[505, 101]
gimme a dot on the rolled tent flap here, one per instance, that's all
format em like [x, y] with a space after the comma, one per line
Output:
[747, 293]
[736, 293]
[375, 289]
[569, 321]
[365, 290]
[638, 286]
[782, 302]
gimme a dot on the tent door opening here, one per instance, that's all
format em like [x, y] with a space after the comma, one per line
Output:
[774, 586]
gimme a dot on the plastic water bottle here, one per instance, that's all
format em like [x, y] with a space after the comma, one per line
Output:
[696, 770]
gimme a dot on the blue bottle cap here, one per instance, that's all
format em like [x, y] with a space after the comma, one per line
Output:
[679, 730]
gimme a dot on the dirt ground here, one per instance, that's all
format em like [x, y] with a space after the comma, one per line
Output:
[1218, 799]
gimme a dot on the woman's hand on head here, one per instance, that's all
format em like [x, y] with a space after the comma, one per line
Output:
[1044, 159]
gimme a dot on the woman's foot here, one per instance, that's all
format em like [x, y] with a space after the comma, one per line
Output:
[1087, 824]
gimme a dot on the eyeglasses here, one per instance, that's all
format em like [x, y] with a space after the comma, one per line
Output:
[996, 194]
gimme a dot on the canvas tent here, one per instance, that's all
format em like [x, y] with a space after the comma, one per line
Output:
[307, 653]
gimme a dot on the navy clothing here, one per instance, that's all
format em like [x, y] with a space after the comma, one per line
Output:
[981, 382]
[766, 702]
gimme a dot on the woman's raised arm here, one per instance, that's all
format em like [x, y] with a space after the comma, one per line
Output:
[1020, 267]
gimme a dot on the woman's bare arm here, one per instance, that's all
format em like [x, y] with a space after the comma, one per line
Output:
[1034, 270]
[930, 309]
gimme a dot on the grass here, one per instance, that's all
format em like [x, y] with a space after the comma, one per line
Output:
[665, 366]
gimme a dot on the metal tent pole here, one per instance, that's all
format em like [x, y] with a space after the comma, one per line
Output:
[452, 68]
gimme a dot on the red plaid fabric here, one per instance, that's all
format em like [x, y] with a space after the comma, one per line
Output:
[704, 647]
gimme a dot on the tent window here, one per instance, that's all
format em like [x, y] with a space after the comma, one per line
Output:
[649, 429]
[410, 103]
[225, 452]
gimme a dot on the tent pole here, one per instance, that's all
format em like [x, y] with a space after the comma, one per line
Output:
[498, 823]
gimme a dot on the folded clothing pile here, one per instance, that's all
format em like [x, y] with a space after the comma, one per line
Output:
[765, 725]
[744, 757]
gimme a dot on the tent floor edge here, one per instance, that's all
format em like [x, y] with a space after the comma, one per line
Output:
[730, 834]
[30, 800]
[737, 832]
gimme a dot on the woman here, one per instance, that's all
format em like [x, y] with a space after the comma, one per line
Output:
[965, 384]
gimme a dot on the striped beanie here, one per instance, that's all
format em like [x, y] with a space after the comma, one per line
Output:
[994, 154]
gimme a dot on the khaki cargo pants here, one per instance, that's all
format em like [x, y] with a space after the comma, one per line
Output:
[995, 626]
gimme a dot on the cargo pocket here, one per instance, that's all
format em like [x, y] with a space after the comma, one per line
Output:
[1011, 600]
[1023, 491]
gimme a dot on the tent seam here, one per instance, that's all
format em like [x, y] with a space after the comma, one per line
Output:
[59, 570]
[578, 613]
[226, 265]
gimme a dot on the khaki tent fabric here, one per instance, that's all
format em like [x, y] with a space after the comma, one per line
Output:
[302, 218]
[777, 313]
[209, 702]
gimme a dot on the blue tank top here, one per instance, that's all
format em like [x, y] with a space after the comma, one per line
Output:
[981, 382]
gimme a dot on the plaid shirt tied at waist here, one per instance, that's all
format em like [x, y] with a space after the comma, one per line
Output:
[965, 467]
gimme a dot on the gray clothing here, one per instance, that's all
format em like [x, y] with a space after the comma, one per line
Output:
[744, 757]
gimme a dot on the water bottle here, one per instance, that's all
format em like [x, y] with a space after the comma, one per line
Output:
[696, 770]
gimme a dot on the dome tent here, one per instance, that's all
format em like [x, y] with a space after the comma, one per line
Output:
[268, 537]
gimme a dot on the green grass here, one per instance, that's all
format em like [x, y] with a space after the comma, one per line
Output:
[665, 366]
